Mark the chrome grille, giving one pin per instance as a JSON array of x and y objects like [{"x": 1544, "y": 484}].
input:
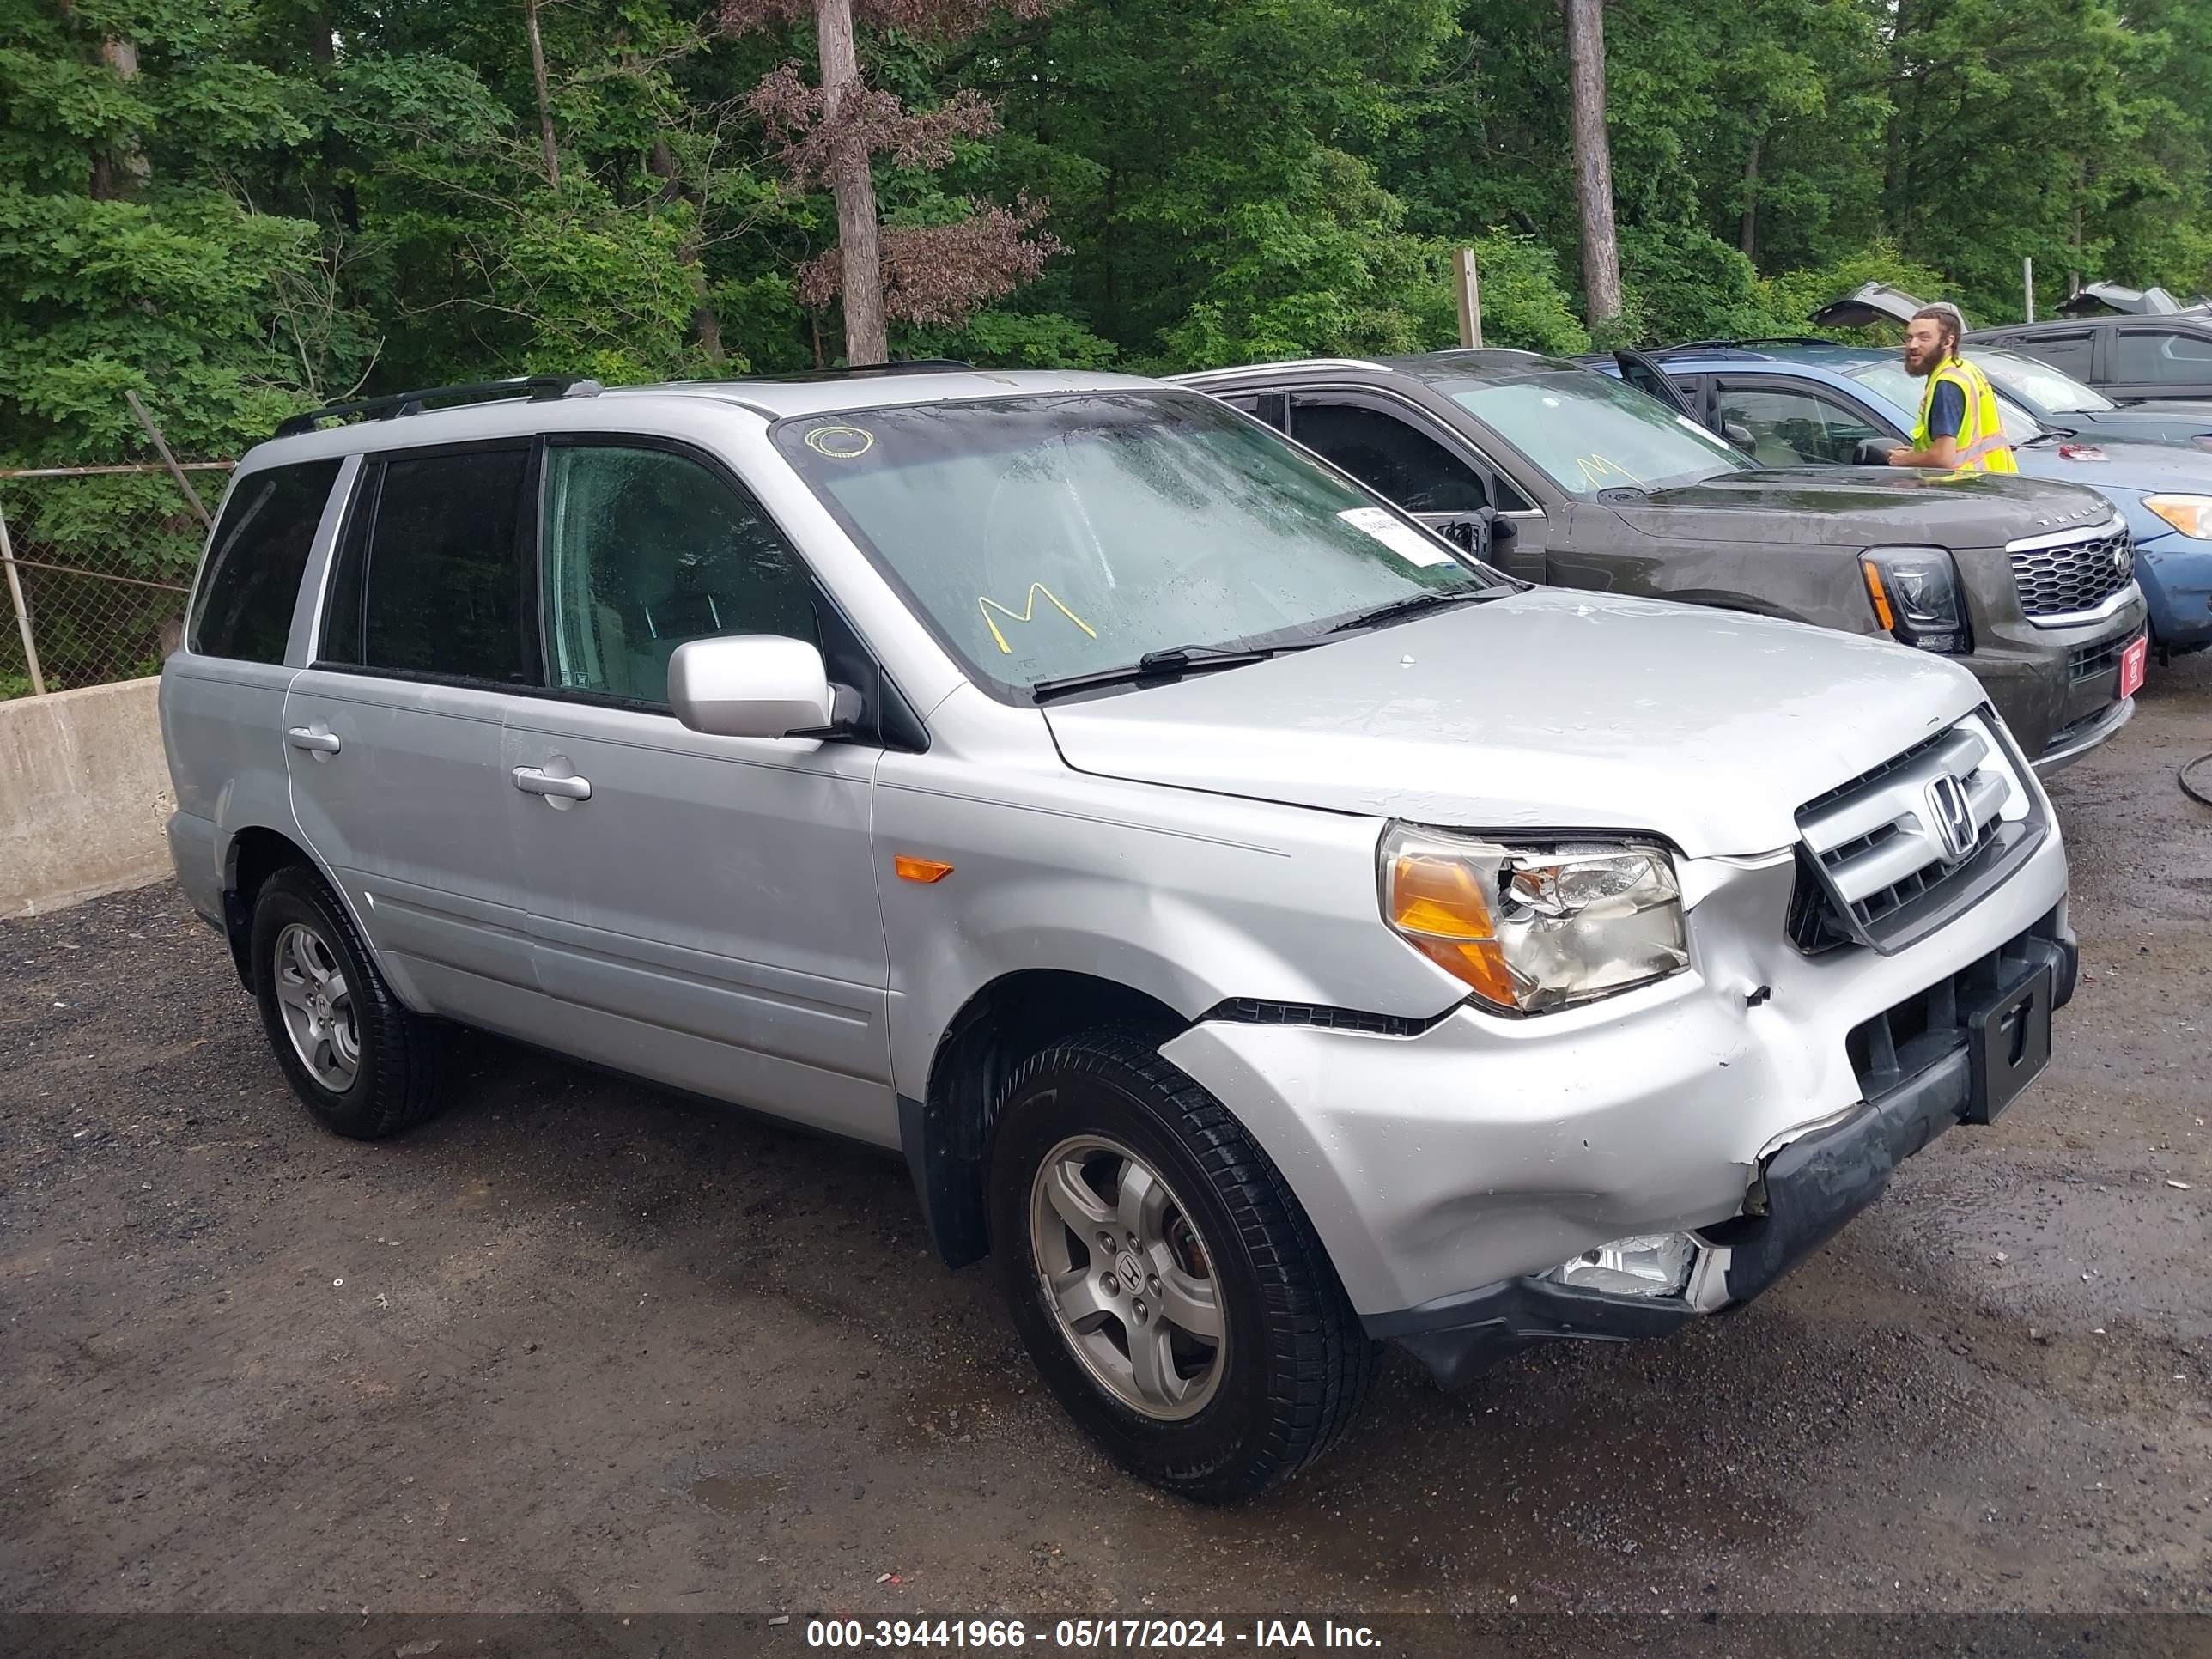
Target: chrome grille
[
  {"x": 1876, "y": 864},
  {"x": 2067, "y": 576}
]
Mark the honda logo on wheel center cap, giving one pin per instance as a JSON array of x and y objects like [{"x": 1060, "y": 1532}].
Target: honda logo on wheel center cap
[{"x": 1951, "y": 815}]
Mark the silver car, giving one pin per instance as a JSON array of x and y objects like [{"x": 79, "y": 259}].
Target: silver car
[{"x": 1265, "y": 930}]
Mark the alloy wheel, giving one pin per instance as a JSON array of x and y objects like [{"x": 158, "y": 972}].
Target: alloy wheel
[
  {"x": 1128, "y": 1278},
  {"x": 317, "y": 1004}
]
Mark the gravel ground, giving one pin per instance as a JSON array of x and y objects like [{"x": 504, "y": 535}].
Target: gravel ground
[{"x": 578, "y": 1347}]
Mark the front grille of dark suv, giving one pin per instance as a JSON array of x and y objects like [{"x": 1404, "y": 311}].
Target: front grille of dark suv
[
  {"x": 2075, "y": 576},
  {"x": 2089, "y": 662},
  {"x": 1871, "y": 864}
]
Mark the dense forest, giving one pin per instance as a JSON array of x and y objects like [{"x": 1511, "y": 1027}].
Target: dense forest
[{"x": 237, "y": 207}]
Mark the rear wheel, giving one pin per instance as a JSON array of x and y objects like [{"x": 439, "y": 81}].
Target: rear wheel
[
  {"x": 364, "y": 1064},
  {"x": 1163, "y": 1276}
]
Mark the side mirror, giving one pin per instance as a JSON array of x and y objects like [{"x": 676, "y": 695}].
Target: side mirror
[
  {"x": 1741, "y": 435},
  {"x": 1482, "y": 533},
  {"x": 751, "y": 685},
  {"x": 1875, "y": 452}
]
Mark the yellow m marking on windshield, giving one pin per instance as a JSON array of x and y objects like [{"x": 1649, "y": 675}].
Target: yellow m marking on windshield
[
  {"x": 1596, "y": 469},
  {"x": 1026, "y": 613}
]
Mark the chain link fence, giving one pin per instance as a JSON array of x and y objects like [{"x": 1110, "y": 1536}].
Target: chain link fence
[{"x": 97, "y": 561}]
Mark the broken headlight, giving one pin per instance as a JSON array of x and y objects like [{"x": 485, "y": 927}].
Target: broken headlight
[{"x": 1532, "y": 929}]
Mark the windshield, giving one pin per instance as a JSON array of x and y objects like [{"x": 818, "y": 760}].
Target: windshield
[
  {"x": 2038, "y": 383},
  {"x": 1589, "y": 432},
  {"x": 1889, "y": 379},
  {"x": 1049, "y": 536}
]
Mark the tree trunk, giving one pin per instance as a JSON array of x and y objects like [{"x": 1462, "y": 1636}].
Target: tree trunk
[
  {"x": 544, "y": 103},
  {"x": 1593, "y": 159},
  {"x": 858, "y": 243},
  {"x": 704, "y": 323},
  {"x": 118, "y": 172},
  {"x": 1896, "y": 166},
  {"x": 1747, "y": 233}
]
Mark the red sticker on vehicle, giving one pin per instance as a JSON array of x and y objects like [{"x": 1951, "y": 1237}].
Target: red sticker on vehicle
[{"x": 2131, "y": 667}]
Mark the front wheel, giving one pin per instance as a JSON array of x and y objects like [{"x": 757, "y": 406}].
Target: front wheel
[{"x": 1163, "y": 1276}]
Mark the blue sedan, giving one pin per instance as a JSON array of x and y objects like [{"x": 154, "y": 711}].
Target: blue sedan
[{"x": 1809, "y": 402}]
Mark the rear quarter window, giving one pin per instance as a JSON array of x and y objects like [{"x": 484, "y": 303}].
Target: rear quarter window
[{"x": 255, "y": 560}]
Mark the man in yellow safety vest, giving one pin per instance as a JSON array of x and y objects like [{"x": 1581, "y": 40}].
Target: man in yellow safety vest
[{"x": 1960, "y": 426}]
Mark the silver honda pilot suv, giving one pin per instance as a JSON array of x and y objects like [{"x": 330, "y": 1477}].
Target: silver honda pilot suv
[{"x": 1265, "y": 930}]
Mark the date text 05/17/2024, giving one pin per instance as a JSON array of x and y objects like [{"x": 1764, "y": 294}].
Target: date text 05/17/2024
[{"x": 1088, "y": 1635}]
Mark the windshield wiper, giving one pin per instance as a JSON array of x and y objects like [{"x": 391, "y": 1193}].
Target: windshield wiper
[
  {"x": 1170, "y": 663},
  {"x": 2052, "y": 434},
  {"x": 1414, "y": 604}
]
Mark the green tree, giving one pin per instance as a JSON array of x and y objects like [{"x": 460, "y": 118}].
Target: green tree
[{"x": 131, "y": 259}]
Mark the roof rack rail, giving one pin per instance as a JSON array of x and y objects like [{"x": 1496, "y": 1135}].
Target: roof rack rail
[
  {"x": 399, "y": 404},
  {"x": 1194, "y": 375},
  {"x": 858, "y": 371},
  {"x": 1752, "y": 340}
]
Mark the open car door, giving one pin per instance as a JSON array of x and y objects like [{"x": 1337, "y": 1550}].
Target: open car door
[{"x": 1647, "y": 377}]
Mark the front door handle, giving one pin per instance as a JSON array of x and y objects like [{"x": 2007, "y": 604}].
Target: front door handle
[
  {"x": 314, "y": 742},
  {"x": 531, "y": 781}
]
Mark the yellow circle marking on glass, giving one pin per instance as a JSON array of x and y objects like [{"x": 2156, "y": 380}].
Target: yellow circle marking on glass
[{"x": 840, "y": 443}]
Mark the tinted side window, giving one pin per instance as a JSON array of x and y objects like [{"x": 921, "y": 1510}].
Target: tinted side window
[
  {"x": 254, "y": 564},
  {"x": 2069, "y": 354},
  {"x": 645, "y": 550},
  {"x": 2161, "y": 358},
  {"x": 1390, "y": 456},
  {"x": 447, "y": 568},
  {"x": 341, "y": 639}
]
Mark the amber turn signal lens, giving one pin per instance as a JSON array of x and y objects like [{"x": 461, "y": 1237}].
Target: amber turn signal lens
[
  {"x": 925, "y": 870},
  {"x": 1438, "y": 905},
  {"x": 1882, "y": 613}
]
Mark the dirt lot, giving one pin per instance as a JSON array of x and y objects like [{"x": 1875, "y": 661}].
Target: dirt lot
[{"x": 578, "y": 1347}]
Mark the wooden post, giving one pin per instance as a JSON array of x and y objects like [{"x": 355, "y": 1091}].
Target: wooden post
[
  {"x": 1470, "y": 297},
  {"x": 167, "y": 459},
  {"x": 22, "y": 610},
  {"x": 2027, "y": 282}
]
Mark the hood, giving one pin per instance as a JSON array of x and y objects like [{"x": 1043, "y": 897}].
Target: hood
[
  {"x": 2175, "y": 420},
  {"x": 2098, "y": 297},
  {"x": 1860, "y": 507},
  {"x": 2193, "y": 409},
  {"x": 2139, "y": 468},
  {"x": 1548, "y": 711},
  {"x": 1866, "y": 305}
]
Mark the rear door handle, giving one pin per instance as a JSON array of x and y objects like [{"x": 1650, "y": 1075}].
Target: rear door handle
[
  {"x": 314, "y": 742},
  {"x": 533, "y": 781}
]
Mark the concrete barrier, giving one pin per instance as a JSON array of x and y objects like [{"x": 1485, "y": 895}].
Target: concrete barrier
[{"x": 84, "y": 791}]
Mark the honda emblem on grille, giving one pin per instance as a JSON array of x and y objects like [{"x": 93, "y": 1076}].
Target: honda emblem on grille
[{"x": 1951, "y": 817}]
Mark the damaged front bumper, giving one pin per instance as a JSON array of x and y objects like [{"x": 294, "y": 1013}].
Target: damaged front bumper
[
  {"x": 1756, "y": 1103},
  {"x": 1804, "y": 1194}
]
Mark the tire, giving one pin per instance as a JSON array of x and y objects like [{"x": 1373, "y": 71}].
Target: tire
[
  {"x": 300, "y": 931},
  {"x": 1214, "y": 1419}
]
